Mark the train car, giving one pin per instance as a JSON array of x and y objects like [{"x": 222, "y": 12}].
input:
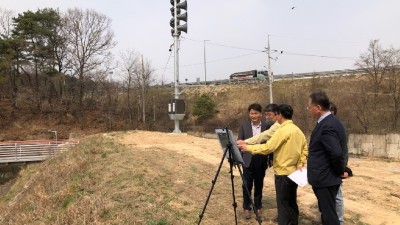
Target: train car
[{"x": 249, "y": 75}]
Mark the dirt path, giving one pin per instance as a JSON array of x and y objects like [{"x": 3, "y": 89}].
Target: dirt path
[{"x": 371, "y": 196}]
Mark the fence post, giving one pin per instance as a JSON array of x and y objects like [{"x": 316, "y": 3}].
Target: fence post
[{"x": 16, "y": 152}]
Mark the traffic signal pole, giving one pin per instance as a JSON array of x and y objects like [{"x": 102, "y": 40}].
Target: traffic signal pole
[
  {"x": 176, "y": 75},
  {"x": 175, "y": 114}
]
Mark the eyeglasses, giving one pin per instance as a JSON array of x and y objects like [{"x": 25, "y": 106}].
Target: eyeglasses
[
  {"x": 269, "y": 114},
  {"x": 309, "y": 106}
]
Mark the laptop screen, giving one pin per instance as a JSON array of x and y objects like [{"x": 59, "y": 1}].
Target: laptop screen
[{"x": 225, "y": 136}]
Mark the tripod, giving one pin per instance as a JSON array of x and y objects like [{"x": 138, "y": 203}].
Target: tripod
[{"x": 228, "y": 150}]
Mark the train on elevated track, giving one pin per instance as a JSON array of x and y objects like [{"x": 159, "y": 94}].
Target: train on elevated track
[
  {"x": 249, "y": 75},
  {"x": 256, "y": 76}
]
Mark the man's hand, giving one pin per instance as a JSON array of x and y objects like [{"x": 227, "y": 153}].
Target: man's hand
[
  {"x": 243, "y": 147},
  {"x": 345, "y": 175},
  {"x": 300, "y": 168},
  {"x": 240, "y": 142}
]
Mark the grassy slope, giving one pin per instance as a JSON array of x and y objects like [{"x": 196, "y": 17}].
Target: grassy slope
[{"x": 102, "y": 182}]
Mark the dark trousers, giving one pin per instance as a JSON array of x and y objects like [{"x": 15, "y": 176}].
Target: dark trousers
[
  {"x": 286, "y": 200},
  {"x": 327, "y": 204},
  {"x": 254, "y": 174}
]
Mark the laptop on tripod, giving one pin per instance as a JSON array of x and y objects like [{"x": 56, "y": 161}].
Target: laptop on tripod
[{"x": 225, "y": 136}]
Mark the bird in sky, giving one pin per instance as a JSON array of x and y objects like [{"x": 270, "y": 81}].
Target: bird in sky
[{"x": 293, "y": 7}]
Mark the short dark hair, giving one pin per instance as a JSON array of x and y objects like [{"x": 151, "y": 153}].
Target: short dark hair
[
  {"x": 320, "y": 98},
  {"x": 255, "y": 106},
  {"x": 333, "y": 108},
  {"x": 272, "y": 107},
  {"x": 286, "y": 111}
]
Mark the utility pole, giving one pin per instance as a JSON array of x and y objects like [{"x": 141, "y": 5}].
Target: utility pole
[
  {"x": 143, "y": 83},
  {"x": 154, "y": 110},
  {"x": 205, "y": 63},
  {"x": 270, "y": 75}
]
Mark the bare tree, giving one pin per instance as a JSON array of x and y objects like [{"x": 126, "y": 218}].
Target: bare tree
[
  {"x": 382, "y": 67},
  {"x": 103, "y": 76},
  {"x": 8, "y": 55},
  {"x": 375, "y": 63},
  {"x": 394, "y": 84},
  {"x": 128, "y": 67},
  {"x": 110, "y": 105},
  {"x": 6, "y": 24},
  {"x": 143, "y": 78},
  {"x": 138, "y": 75},
  {"x": 362, "y": 106},
  {"x": 89, "y": 41}
]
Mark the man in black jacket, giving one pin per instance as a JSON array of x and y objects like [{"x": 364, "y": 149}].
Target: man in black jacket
[
  {"x": 255, "y": 165},
  {"x": 326, "y": 159}
]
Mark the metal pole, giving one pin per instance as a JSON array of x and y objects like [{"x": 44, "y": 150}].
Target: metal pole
[
  {"x": 205, "y": 63},
  {"x": 56, "y": 136},
  {"x": 154, "y": 110},
  {"x": 270, "y": 76},
  {"x": 176, "y": 67},
  {"x": 143, "y": 100}
]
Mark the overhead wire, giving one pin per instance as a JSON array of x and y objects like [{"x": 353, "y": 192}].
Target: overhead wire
[
  {"x": 281, "y": 51},
  {"x": 256, "y": 51},
  {"x": 320, "y": 56},
  {"x": 217, "y": 60},
  {"x": 222, "y": 45},
  {"x": 315, "y": 39},
  {"x": 165, "y": 68}
]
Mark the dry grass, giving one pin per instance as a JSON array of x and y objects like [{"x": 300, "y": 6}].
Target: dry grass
[
  {"x": 155, "y": 178},
  {"x": 102, "y": 182}
]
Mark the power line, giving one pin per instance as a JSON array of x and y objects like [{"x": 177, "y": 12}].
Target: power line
[
  {"x": 223, "y": 59},
  {"x": 320, "y": 56},
  {"x": 213, "y": 61},
  {"x": 315, "y": 39},
  {"x": 163, "y": 73},
  {"x": 281, "y": 51},
  {"x": 254, "y": 51},
  {"x": 222, "y": 45}
]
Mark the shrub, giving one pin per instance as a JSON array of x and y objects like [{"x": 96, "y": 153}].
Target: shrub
[{"x": 204, "y": 106}]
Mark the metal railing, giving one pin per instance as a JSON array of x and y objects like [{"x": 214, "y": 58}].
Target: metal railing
[{"x": 29, "y": 151}]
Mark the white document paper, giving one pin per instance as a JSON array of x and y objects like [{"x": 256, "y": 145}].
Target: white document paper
[{"x": 299, "y": 177}]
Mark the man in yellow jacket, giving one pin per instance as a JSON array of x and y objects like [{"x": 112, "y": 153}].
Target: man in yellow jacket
[{"x": 289, "y": 146}]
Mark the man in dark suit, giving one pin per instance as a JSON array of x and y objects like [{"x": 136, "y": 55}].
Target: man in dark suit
[
  {"x": 255, "y": 166},
  {"x": 326, "y": 156}
]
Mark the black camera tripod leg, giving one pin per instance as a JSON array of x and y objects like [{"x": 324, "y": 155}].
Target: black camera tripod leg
[
  {"x": 231, "y": 163},
  {"x": 212, "y": 186}
]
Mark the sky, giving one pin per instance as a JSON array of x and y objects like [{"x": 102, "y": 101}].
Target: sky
[{"x": 304, "y": 35}]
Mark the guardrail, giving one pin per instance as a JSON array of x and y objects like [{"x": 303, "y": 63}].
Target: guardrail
[{"x": 30, "y": 151}]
